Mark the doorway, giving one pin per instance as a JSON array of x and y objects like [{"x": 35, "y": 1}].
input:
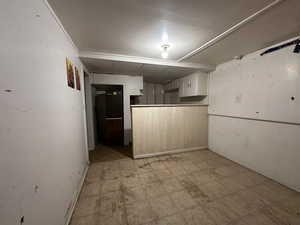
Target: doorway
[{"x": 109, "y": 115}]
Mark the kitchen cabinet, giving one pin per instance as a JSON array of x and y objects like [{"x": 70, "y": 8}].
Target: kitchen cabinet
[
  {"x": 152, "y": 94},
  {"x": 173, "y": 85},
  {"x": 193, "y": 85}
]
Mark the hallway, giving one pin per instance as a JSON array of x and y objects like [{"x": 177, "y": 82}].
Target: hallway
[{"x": 193, "y": 188}]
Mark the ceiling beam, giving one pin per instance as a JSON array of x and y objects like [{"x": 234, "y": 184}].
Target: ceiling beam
[
  {"x": 229, "y": 31},
  {"x": 151, "y": 61}
]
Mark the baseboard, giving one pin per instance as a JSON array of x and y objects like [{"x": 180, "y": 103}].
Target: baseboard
[
  {"x": 77, "y": 195},
  {"x": 169, "y": 152}
]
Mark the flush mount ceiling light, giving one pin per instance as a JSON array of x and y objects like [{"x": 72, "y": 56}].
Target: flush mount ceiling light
[
  {"x": 165, "y": 53},
  {"x": 297, "y": 47}
]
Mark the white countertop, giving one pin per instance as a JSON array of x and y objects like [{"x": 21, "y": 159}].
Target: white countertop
[{"x": 168, "y": 105}]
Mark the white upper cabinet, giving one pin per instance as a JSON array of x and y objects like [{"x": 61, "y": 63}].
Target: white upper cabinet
[
  {"x": 193, "y": 85},
  {"x": 173, "y": 85}
]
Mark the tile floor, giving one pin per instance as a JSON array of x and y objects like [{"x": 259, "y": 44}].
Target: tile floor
[{"x": 195, "y": 188}]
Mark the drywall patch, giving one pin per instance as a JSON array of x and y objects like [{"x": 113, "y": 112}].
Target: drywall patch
[{"x": 238, "y": 98}]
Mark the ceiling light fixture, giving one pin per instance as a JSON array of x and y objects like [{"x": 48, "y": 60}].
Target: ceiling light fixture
[
  {"x": 297, "y": 47},
  {"x": 165, "y": 53}
]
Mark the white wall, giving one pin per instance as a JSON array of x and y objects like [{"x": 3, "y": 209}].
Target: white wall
[
  {"x": 258, "y": 88},
  {"x": 131, "y": 86},
  {"x": 42, "y": 132}
]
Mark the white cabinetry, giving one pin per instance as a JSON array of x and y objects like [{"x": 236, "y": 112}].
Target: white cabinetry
[
  {"x": 193, "y": 85},
  {"x": 173, "y": 85},
  {"x": 152, "y": 94}
]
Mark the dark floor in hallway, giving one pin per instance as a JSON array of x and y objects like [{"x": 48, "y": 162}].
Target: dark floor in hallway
[
  {"x": 192, "y": 188},
  {"x": 110, "y": 153}
]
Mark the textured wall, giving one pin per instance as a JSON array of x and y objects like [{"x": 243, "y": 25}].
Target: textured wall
[
  {"x": 258, "y": 88},
  {"x": 42, "y": 130}
]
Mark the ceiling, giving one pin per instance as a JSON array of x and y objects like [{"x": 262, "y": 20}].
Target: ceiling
[
  {"x": 139, "y": 27},
  {"x": 151, "y": 73}
]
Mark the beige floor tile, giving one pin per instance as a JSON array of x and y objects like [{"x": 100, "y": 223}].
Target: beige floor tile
[
  {"x": 197, "y": 194},
  {"x": 113, "y": 165},
  {"x": 128, "y": 172},
  {"x": 139, "y": 213},
  {"x": 231, "y": 185},
  {"x": 86, "y": 220},
  {"x": 172, "y": 220},
  {"x": 279, "y": 215},
  {"x": 177, "y": 170},
  {"x": 226, "y": 171},
  {"x": 197, "y": 216},
  {"x": 183, "y": 200},
  {"x": 282, "y": 191},
  {"x": 95, "y": 172},
  {"x": 248, "y": 179},
  {"x": 115, "y": 196},
  {"x": 160, "y": 190},
  {"x": 117, "y": 220},
  {"x": 207, "y": 155},
  {"x": 253, "y": 200},
  {"x": 155, "y": 189},
  {"x": 111, "y": 208},
  {"x": 131, "y": 195},
  {"x": 236, "y": 204},
  {"x": 139, "y": 162},
  {"x": 111, "y": 174},
  {"x": 291, "y": 205},
  {"x": 148, "y": 223},
  {"x": 215, "y": 163},
  {"x": 148, "y": 178},
  {"x": 269, "y": 193},
  {"x": 203, "y": 165},
  {"x": 110, "y": 185},
  {"x": 144, "y": 167},
  {"x": 190, "y": 167},
  {"x": 127, "y": 165},
  {"x": 172, "y": 185},
  {"x": 158, "y": 165},
  {"x": 219, "y": 213},
  {"x": 86, "y": 206},
  {"x": 90, "y": 189},
  {"x": 255, "y": 177},
  {"x": 259, "y": 219},
  {"x": 214, "y": 190},
  {"x": 130, "y": 181},
  {"x": 163, "y": 174},
  {"x": 163, "y": 206},
  {"x": 204, "y": 176}
]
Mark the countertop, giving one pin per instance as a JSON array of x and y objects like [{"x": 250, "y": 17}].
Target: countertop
[{"x": 167, "y": 105}]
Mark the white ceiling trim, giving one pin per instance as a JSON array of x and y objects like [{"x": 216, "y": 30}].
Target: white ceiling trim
[
  {"x": 229, "y": 31},
  {"x": 151, "y": 61}
]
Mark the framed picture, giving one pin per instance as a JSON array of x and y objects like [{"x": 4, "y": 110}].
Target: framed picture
[
  {"x": 77, "y": 75},
  {"x": 70, "y": 73}
]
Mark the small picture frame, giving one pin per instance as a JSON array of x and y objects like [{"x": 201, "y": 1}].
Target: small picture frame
[{"x": 70, "y": 73}]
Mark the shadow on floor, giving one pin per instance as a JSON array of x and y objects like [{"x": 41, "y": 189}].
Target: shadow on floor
[{"x": 104, "y": 153}]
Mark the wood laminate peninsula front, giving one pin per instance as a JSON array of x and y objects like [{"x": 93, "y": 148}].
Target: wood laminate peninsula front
[{"x": 165, "y": 129}]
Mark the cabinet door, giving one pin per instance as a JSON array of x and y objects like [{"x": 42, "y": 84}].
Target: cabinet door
[
  {"x": 159, "y": 95},
  {"x": 182, "y": 87},
  {"x": 150, "y": 94},
  {"x": 193, "y": 85}
]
